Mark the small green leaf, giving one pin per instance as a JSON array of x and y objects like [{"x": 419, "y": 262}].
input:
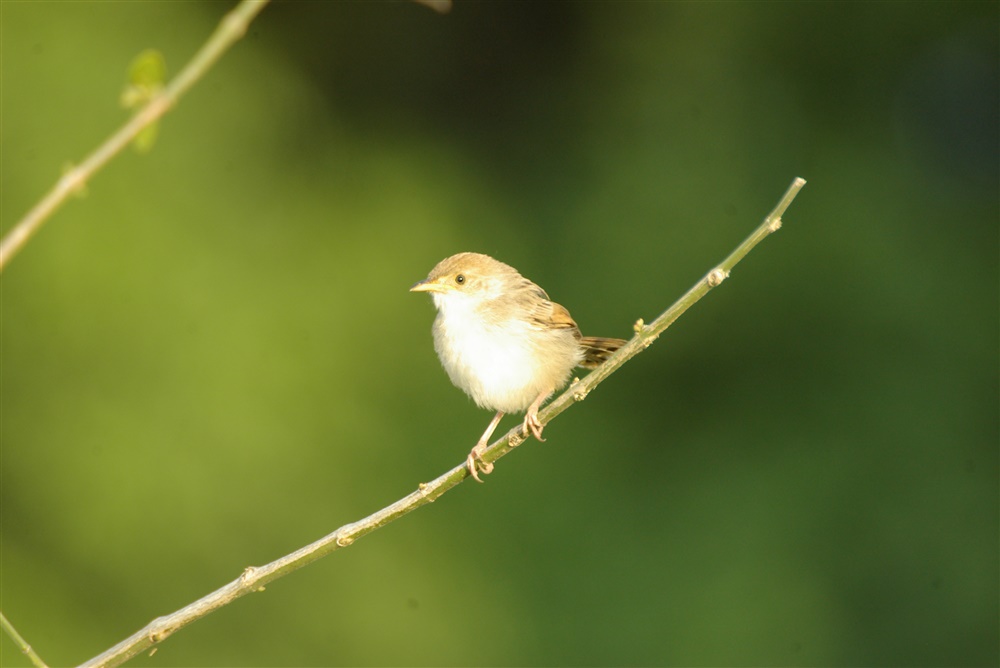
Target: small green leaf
[
  {"x": 147, "y": 75},
  {"x": 143, "y": 142},
  {"x": 148, "y": 69}
]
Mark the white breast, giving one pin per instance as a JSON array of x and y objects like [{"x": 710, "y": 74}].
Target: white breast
[{"x": 502, "y": 366}]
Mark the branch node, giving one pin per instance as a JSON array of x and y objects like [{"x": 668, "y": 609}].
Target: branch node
[
  {"x": 639, "y": 325},
  {"x": 247, "y": 575},
  {"x": 73, "y": 180},
  {"x": 716, "y": 276},
  {"x": 775, "y": 225},
  {"x": 424, "y": 488},
  {"x": 344, "y": 541},
  {"x": 21, "y": 642}
]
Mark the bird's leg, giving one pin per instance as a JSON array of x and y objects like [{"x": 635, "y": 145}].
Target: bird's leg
[
  {"x": 531, "y": 417},
  {"x": 475, "y": 459}
]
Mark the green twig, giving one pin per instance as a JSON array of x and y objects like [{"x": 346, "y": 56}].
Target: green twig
[
  {"x": 254, "y": 579},
  {"x": 232, "y": 27},
  {"x": 21, "y": 642}
]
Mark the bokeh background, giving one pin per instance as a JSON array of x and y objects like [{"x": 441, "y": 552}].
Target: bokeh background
[{"x": 211, "y": 359}]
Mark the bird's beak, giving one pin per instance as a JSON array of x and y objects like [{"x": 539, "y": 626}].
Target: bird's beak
[{"x": 427, "y": 286}]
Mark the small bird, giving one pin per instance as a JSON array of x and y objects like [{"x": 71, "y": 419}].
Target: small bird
[{"x": 503, "y": 341}]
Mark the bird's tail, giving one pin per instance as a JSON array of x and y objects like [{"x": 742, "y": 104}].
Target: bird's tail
[{"x": 597, "y": 349}]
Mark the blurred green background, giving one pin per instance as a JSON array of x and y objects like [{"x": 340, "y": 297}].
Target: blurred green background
[{"x": 212, "y": 359}]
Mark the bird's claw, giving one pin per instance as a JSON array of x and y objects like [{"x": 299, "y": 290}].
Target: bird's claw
[
  {"x": 533, "y": 425},
  {"x": 474, "y": 462}
]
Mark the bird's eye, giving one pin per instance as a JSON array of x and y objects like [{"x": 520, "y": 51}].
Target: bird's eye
[{"x": 460, "y": 279}]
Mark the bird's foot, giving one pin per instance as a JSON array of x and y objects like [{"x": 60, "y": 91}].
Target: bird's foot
[
  {"x": 474, "y": 462},
  {"x": 533, "y": 425}
]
